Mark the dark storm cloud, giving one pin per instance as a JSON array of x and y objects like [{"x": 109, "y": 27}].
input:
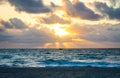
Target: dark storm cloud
[
  {"x": 30, "y": 6},
  {"x": 84, "y": 12},
  {"x": 112, "y": 13}
]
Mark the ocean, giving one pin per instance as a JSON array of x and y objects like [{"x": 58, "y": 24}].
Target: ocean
[{"x": 60, "y": 58}]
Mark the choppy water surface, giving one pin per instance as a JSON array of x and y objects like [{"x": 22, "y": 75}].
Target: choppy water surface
[{"x": 59, "y": 58}]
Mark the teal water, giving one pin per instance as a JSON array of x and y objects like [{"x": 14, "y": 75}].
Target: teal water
[{"x": 59, "y": 57}]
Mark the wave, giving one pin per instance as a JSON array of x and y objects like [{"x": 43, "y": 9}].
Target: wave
[
  {"x": 60, "y": 58},
  {"x": 74, "y": 63},
  {"x": 61, "y": 63}
]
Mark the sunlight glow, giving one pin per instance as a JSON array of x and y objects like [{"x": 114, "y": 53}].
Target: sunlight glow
[
  {"x": 59, "y": 30},
  {"x": 60, "y": 13}
]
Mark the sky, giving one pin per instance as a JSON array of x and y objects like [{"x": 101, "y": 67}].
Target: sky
[{"x": 59, "y": 23}]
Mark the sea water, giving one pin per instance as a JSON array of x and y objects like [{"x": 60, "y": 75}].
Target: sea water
[{"x": 59, "y": 57}]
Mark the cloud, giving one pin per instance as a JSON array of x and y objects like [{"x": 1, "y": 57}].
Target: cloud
[
  {"x": 98, "y": 33},
  {"x": 6, "y": 24},
  {"x": 21, "y": 34},
  {"x": 53, "y": 19},
  {"x": 112, "y": 13},
  {"x": 4, "y": 36},
  {"x": 69, "y": 8},
  {"x": 84, "y": 12},
  {"x": 30, "y": 6},
  {"x": 115, "y": 3},
  {"x": 18, "y": 23},
  {"x": 102, "y": 33},
  {"x": 2, "y": 30},
  {"x": 31, "y": 37},
  {"x": 34, "y": 36},
  {"x": 2, "y": 1},
  {"x": 78, "y": 9},
  {"x": 14, "y": 23}
]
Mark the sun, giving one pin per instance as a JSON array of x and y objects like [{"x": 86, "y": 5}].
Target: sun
[{"x": 59, "y": 30}]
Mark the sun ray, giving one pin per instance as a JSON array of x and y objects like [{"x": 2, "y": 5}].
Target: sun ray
[
  {"x": 69, "y": 44},
  {"x": 57, "y": 44},
  {"x": 47, "y": 45}
]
